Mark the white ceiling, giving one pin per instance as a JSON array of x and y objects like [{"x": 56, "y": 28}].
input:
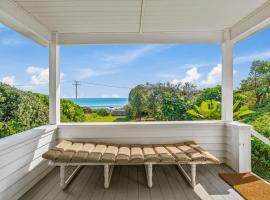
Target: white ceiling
[{"x": 133, "y": 16}]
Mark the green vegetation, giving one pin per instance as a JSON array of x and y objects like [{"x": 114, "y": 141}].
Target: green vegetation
[
  {"x": 184, "y": 102},
  {"x": 94, "y": 117},
  {"x": 22, "y": 110}
]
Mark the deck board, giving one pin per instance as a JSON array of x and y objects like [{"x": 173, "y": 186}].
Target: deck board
[{"x": 129, "y": 182}]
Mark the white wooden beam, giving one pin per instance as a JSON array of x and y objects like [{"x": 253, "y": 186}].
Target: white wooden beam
[
  {"x": 54, "y": 80},
  {"x": 142, "y": 16},
  {"x": 256, "y": 21},
  {"x": 227, "y": 78},
  {"x": 21, "y": 21},
  {"x": 139, "y": 38}
]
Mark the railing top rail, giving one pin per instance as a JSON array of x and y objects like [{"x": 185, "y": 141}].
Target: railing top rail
[{"x": 260, "y": 137}]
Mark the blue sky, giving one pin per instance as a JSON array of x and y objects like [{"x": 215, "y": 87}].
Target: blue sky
[{"x": 24, "y": 64}]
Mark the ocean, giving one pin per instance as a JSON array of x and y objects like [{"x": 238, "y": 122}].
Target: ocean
[{"x": 96, "y": 103}]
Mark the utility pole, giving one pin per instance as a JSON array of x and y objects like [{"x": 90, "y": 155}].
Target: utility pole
[{"x": 76, "y": 84}]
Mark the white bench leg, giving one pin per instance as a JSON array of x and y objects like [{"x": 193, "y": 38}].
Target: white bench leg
[
  {"x": 62, "y": 177},
  {"x": 64, "y": 182},
  {"x": 191, "y": 179},
  {"x": 193, "y": 175},
  {"x": 149, "y": 174},
  {"x": 108, "y": 170}
]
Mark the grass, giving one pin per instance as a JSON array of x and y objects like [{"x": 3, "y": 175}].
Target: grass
[{"x": 93, "y": 117}]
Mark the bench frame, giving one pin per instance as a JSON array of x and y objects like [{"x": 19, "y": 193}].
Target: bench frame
[{"x": 108, "y": 171}]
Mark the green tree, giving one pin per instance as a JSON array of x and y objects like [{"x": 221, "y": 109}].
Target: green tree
[
  {"x": 258, "y": 81},
  {"x": 138, "y": 102},
  {"x": 157, "y": 90},
  {"x": 213, "y": 93},
  {"x": 173, "y": 107}
]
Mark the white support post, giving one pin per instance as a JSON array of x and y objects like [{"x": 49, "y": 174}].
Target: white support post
[
  {"x": 240, "y": 144},
  {"x": 227, "y": 78},
  {"x": 54, "y": 80}
]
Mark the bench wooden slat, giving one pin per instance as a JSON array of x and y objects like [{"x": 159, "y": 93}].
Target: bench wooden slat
[
  {"x": 177, "y": 153},
  {"x": 205, "y": 153},
  {"x": 149, "y": 154},
  {"x": 97, "y": 153},
  {"x": 190, "y": 152},
  {"x": 83, "y": 152},
  {"x": 136, "y": 154},
  {"x": 123, "y": 155},
  {"x": 110, "y": 154},
  {"x": 164, "y": 154}
]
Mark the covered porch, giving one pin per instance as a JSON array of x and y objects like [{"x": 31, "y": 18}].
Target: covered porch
[
  {"x": 26, "y": 175},
  {"x": 129, "y": 182}
]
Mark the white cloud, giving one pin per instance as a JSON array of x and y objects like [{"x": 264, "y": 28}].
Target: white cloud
[
  {"x": 214, "y": 76},
  {"x": 264, "y": 55},
  {"x": 33, "y": 70},
  {"x": 10, "y": 80},
  {"x": 110, "y": 96},
  {"x": 39, "y": 76},
  {"x": 191, "y": 76}
]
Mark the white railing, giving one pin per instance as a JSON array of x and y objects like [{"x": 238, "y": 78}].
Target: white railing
[
  {"x": 21, "y": 164},
  {"x": 260, "y": 137}
]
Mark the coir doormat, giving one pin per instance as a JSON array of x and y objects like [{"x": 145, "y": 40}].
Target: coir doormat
[{"x": 247, "y": 185}]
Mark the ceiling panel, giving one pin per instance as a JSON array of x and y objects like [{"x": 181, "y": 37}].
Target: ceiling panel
[
  {"x": 75, "y": 16},
  {"x": 117, "y": 16}
]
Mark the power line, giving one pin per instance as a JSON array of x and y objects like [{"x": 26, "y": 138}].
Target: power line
[
  {"x": 105, "y": 85},
  {"x": 76, "y": 84}
]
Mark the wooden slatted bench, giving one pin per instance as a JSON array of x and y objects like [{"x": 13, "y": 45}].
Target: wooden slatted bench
[{"x": 77, "y": 154}]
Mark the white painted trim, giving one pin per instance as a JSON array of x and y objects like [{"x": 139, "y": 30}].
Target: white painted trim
[
  {"x": 54, "y": 80},
  {"x": 21, "y": 21},
  {"x": 17, "y": 139},
  {"x": 260, "y": 137},
  {"x": 256, "y": 21},
  {"x": 142, "y": 16},
  {"x": 227, "y": 78},
  {"x": 141, "y": 38},
  {"x": 184, "y": 123}
]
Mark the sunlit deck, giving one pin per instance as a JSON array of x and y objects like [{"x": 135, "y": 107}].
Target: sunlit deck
[{"x": 129, "y": 182}]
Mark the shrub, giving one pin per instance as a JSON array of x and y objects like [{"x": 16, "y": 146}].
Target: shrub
[
  {"x": 20, "y": 110},
  {"x": 103, "y": 112},
  {"x": 71, "y": 112}
]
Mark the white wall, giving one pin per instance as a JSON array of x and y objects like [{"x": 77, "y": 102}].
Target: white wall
[
  {"x": 21, "y": 164},
  {"x": 210, "y": 135}
]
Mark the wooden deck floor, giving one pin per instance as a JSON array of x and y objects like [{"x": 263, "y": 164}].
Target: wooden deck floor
[{"x": 129, "y": 182}]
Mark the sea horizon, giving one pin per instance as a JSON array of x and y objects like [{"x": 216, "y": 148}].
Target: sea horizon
[{"x": 99, "y": 103}]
